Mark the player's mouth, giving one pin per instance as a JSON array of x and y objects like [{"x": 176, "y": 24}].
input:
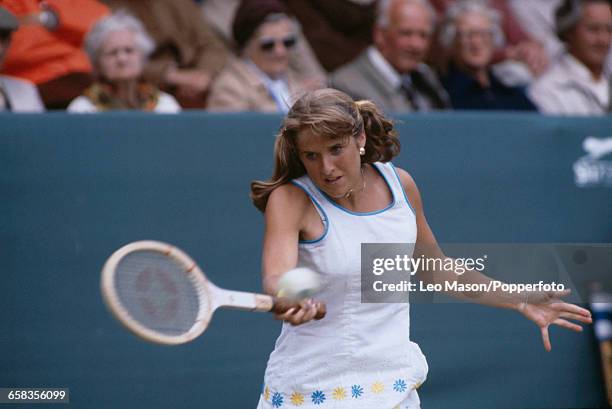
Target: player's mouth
[{"x": 332, "y": 181}]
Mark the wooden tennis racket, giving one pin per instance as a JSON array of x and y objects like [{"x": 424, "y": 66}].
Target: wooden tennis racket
[{"x": 160, "y": 294}]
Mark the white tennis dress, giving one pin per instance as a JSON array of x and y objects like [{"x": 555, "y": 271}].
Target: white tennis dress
[{"x": 360, "y": 355}]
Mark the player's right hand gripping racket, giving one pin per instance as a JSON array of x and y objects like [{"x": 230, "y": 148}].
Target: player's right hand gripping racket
[{"x": 160, "y": 294}]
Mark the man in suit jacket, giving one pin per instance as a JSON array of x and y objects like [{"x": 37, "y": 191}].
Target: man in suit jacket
[
  {"x": 391, "y": 72},
  {"x": 15, "y": 94}
]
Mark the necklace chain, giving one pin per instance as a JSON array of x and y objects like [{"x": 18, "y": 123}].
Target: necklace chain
[{"x": 352, "y": 190}]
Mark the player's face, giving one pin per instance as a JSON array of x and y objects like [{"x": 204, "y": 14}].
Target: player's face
[
  {"x": 474, "y": 42},
  {"x": 120, "y": 59},
  {"x": 405, "y": 40},
  {"x": 590, "y": 40},
  {"x": 334, "y": 165},
  {"x": 270, "y": 46}
]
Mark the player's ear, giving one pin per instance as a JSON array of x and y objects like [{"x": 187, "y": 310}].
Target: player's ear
[{"x": 361, "y": 140}]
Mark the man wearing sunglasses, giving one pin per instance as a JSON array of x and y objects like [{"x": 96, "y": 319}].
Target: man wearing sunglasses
[
  {"x": 392, "y": 72},
  {"x": 260, "y": 79}
]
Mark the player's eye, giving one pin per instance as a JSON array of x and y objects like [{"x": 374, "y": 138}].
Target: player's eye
[{"x": 309, "y": 155}]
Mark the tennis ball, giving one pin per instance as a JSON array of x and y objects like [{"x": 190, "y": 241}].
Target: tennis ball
[{"x": 298, "y": 283}]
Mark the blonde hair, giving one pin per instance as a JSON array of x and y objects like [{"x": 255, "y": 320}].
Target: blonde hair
[
  {"x": 120, "y": 20},
  {"x": 332, "y": 114}
]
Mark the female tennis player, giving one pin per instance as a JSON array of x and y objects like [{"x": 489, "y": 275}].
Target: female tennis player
[{"x": 334, "y": 188}]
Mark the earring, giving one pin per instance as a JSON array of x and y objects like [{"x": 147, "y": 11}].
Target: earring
[{"x": 362, "y": 151}]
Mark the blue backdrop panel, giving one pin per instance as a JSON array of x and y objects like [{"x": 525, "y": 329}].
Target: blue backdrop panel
[{"x": 75, "y": 188}]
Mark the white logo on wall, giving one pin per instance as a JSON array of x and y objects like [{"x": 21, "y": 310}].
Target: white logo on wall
[{"x": 594, "y": 168}]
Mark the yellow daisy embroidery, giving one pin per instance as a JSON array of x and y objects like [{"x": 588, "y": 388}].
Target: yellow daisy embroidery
[
  {"x": 417, "y": 385},
  {"x": 378, "y": 387},
  {"x": 339, "y": 393},
  {"x": 267, "y": 394},
  {"x": 297, "y": 399}
]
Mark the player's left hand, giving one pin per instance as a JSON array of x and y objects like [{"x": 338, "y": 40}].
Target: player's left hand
[{"x": 546, "y": 308}]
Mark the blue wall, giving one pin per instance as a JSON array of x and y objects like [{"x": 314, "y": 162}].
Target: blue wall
[{"x": 75, "y": 188}]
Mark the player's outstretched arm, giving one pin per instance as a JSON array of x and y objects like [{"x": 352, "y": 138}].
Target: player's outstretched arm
[{"x": 543, "y": 308}]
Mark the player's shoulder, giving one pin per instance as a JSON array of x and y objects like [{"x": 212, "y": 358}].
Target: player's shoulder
[
  {"x": 406, "y": 179},
  {"x": 288, "y": 197},
  {"x": 410, "y": 188}
]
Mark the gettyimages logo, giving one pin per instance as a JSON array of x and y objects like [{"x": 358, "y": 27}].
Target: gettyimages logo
[
  {"x": 594, "y": 168},
  {"x": 401, "y": 272}
]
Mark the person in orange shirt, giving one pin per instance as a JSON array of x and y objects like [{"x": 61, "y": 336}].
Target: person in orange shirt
[{"x": 47, "y": 48}]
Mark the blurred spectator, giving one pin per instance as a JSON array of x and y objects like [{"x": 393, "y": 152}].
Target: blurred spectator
[
  {"x": 538, "y": 18},
  {"x": 392, "y": 72},
  {"x": 337, "y": 30},
  {"x": 220, "y": 14},
  {"x": 187, "y": 55},
  {"x": 524, "y": 58},
  {"x": 601, "y": 306},
  {"x": 577, "y": 83},
  {"x": 259, "y": 80},
  {"x": 47, "y": 47},
  {"x": 470, "y": 34},
  {"x": 118, "y": 47},
  {"x": 609, "y": 92},
  {"x": 302, "y": 60},
  {"x": 15, "y": 95}
]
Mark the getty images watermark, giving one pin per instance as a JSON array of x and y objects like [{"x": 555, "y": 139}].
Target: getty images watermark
[{"x": 389, "y": 271}]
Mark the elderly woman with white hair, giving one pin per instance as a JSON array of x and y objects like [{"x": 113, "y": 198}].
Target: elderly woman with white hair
[
  {"x": 470, "y": 35},
  {"x": 118, "y": 47}
]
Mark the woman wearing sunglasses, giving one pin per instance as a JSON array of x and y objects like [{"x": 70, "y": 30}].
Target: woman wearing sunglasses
[{"x": 259, "y": 80}]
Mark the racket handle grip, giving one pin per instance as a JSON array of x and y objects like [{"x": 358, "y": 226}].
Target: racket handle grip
[{"x": 282, "y": 305}]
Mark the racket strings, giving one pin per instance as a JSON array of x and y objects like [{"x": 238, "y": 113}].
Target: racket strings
[{"x": 158, "y": 293}]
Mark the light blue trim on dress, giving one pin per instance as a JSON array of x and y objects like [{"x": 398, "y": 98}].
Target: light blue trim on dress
[
  {"x": 322, "y": 214},
  {"x": 402, "y": 187},
  {"x": 344, "y": 209}
]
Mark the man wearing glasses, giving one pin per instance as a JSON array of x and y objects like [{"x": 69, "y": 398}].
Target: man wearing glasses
[{"x": 392, "y": 72}]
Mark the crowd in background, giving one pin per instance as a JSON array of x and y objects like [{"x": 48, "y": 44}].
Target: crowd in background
[{"x": 551, "y": 56}]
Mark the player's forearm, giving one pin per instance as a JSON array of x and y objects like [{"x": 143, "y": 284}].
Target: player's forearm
[
  {"x": 270, "y": 283},
  {"x": 494, "y": 297},
  {"x": 471, "y": 285}
]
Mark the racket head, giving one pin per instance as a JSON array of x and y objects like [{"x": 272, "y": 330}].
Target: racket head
[{"x": 157, "y": 292}]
